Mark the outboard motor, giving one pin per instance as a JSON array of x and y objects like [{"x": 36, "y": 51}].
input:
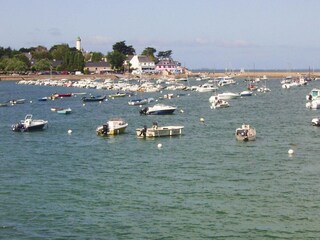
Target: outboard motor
[
  {"x": 19, "y": 127},
  {"x": 144, "y": 111},
  {"x": 143, "y": 131},
  {"x": 105, "y": 128}
]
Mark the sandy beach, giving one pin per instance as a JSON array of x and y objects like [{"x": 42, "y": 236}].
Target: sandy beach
[{"x": 268, "y": 74}]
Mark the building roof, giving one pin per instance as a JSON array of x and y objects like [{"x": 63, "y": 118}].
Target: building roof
[{"x": 97, "y": 64}]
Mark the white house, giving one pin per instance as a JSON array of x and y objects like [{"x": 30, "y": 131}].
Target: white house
[{"x": 142, "y": 64}]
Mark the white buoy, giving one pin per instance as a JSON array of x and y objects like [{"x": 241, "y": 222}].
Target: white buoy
[
  {"x": 69, "y": 131},
  {"x": 31, "y": 101},
  {"x": 202, "y": 120},
  {"x": 159, "y": 145},
  {"x": 83, "y": 104},
  {"x": 182, "y": 111},
  {"x": 290, "y": 151}
]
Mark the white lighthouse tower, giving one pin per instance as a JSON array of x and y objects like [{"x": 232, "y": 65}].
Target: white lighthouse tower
[{"x": 78, "y": 44}]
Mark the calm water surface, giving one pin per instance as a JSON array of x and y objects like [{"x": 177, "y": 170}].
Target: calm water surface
[{"x": 202, "y": 185}]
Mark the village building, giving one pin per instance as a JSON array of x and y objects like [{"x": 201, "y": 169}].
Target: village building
[
  {"x": 168, "y": 65},
  {"x": 142, "y": 64},
  {"x": 98, "y": 67}
]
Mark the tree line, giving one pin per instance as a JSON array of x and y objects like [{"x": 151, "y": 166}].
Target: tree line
[{"x": 62, "y": 58}]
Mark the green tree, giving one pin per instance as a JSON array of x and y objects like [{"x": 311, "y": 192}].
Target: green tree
[
  {"x": 41, "y": 65},
  {"x": 165, "y": 54},
  {"x": 41, "y": 52},
  {"x": 14, "y": 64},
  {"x": 121, "y": 47},
  {"x": 24, "y": 59},
  {"x": 58, "y": 51},
  {"x": 149, "y": 51},
  {"x": 96, "y": 56},
  {"x": 116, "y": 59}
]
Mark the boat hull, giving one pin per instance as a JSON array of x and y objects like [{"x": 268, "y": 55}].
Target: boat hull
[
  {"x": 159, "y": 131},
  {"x": 245, "y": 133},
  {"x": 112, "y": 127}
]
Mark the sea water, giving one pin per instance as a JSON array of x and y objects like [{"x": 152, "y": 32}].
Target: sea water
[{"x": 203, "y": 184}]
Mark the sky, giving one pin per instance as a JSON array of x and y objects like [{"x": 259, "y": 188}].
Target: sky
[{"x": 202, "y": 34}]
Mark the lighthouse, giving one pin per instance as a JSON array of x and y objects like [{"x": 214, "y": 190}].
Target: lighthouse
[{"x": 78, "y": 44}]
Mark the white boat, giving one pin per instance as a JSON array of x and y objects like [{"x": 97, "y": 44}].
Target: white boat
[
  {"x": 228, "y": 95},
  {"x": 219, "y": 103},
  {"x": 64, "y": 111},
  {"x": 29, "y": 124},
  {"x": 156, "y": 131},
  {"x": 224, "y": 81},
  {"x": 114, "y": 126},
  {"x": 158, "y": 109},
  {"x": 316, "y": 121},
  {"x": 314, "y": 94},
  {"x": 246, "y": 93},
  {"x": 207, "y": 87},
  {"x": 314, "y": 104},
  {"x": 245, "y": 133},
  {"x": 137, "y": 102}
]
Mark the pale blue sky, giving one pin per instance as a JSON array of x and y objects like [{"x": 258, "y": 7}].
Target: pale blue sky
[{"x": 265, "y": 34}]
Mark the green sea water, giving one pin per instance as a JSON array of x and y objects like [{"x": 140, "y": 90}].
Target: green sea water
[{"x": 201, "y": 185}]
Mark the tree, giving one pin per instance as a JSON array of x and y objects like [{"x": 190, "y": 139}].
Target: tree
[
  {"x": 58, "y": 51},
  {"x": 96, "y": 56},
  {"x": 149, "y": 51},
  {"x": 41, "y": 52},
  {"x": 116, "y": 59},
  {"x": 165, "y": 54},
  {"x": 23, "y": 58},
  {"x": 43, "y": 64},
  {"x": 14, "y": 64},
  {"x": 121, "y": 47}
]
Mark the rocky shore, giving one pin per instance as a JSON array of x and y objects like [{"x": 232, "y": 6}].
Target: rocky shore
[{"x": 268, "y": 74}]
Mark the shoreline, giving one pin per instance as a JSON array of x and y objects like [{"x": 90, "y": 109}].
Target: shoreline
[{"x": 268, "y": 74}]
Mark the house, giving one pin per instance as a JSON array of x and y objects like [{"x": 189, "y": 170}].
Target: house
[
  {"x": 98, "y": 67},
  {"x": 142, "y": 64},
  {"x": 168, "y": 65}
]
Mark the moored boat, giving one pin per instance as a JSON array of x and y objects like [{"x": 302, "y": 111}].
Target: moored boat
[
  {"x": 113, "y": 126},
  {"x": 64, "y": 111},
  {"x": 245, "y": 133},
  {"x": 29, "y": 124},
  {"x": 158, "y": 109},
  {"x": 94, "y": 98},
  {"x": 314, "y": 94},
  {"x": 316, "y": 121},
  {"x": 156, "y": 131},
  {"x": 228, "y": 95}
]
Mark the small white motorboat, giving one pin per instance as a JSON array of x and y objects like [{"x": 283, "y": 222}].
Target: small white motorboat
[
  {"x": 246, "y": 93},
  {"x": 114, "y": 126},
  {"x": 245, "y": 133},
  {"x": 314, "y": 104},
  {"x": 29, "y": 124},
  {"x": 316, "y": 121},
  {"x": 156, "y": 131},
  {"x": 314, "y": 94},
  {"x": 158, "y": 109},
  {"x": 218, "y": 103},
  {"x": 228, "y": 95}
]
